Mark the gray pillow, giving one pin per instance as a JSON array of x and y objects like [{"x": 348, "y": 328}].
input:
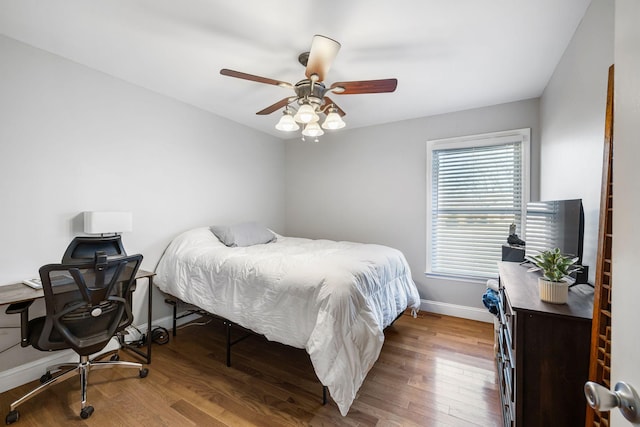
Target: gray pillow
[{"x": 245, "y": 234}]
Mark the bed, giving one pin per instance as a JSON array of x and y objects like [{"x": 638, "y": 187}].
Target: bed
[{"x": 332, "y": 299}]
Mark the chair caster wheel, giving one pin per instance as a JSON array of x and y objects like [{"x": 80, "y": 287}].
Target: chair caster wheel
[
  {"x": 115, "y": 357},
  {"x": 86, "y": 412},
  {"x": 46, "y": 377},
  {"x": 12, "y": 417},
  {"x": 144, "y": 372}
]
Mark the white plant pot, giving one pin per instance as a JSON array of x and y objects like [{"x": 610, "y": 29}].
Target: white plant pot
[{"x": 553, "y": 292}]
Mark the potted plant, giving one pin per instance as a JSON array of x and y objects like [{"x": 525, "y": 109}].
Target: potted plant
[{"x": 556, "y": 268}]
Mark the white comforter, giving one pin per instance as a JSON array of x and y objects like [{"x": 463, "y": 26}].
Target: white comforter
[{"x": 331, "y": 298}]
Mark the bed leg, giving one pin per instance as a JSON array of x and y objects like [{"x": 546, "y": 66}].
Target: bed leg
[
  {"x": 174, "y": 303},
  {"x": 228, "y": 324},
  {"x": 175, "y": 318},
  {"x": 324, "y": 395}
]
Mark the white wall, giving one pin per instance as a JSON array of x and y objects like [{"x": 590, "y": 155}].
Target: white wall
[
  {"x": 369, "y": 185},
  {"x": 73, "y": 139},
  {"x": 572, "y": 110}
]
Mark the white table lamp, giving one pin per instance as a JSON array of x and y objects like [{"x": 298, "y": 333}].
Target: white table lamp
[{"x": 102, "y": 222}]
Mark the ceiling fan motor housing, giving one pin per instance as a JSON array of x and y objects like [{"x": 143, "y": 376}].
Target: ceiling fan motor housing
[{"x": 312, "y": 93}]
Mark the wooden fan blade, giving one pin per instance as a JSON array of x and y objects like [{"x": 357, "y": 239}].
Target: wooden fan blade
[
  {"x": 365, "y": 86},
  {"x": 329, "y": 101},
  {"x": 274, "y": 107},
  {"x": 245, "y": 76},
  {"x": 323, "y": 52}
]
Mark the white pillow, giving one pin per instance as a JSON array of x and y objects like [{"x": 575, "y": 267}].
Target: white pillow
[{"x": 244, "y": 234}]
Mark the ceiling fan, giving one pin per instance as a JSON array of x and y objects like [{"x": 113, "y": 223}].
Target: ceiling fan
[{"x": 311, "y": 93}]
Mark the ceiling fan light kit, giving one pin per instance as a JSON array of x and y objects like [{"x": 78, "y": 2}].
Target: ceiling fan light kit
[
  {"x": 312, "y": 130},
  {"x": 306, "y": 114},
  {"x": 333, "y": 120},
  {"x": 310, "y": 92},
  {"x": 287, "y": 123}
]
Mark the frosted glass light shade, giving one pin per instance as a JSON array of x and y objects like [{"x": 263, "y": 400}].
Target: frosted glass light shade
[
  {"x": 333, "y": 121},
  {"x": 312, "y": 129},
  {"x": 306, "y": 114},
  {"x": 287, "y": 124},
  {"x": 107, "y": 222}
]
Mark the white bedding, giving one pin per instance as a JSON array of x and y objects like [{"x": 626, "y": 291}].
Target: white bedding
[{"x": 331, "y": 298}]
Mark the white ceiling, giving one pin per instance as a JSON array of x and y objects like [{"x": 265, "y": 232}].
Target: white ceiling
[{"x": 447, "y": 55}]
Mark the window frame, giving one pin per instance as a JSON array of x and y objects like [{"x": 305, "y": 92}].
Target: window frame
[{"x": 523, "y": 136}]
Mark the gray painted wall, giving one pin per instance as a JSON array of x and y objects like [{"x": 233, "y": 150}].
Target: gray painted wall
[
  {"x": 73, "y": 139},
  {"x": 369, "y": 185},
  {"x": 572, "y": 121}
]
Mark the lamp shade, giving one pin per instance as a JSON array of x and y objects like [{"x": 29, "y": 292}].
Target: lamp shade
[
  {"x": 107, "y": 222},
  {"x": 306, "y": 114},
  {"x": 333, "y": 121},
  {"x": 286, "y": 123},
  {"x": 312, "y": 129}
]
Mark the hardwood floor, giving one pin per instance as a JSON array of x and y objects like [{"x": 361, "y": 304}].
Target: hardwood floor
[{"x": 433, "y": 371}]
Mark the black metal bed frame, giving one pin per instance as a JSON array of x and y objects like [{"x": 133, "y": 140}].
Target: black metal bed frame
[
  {"x": 228, "y": 325},
  {"x": 173, "y": 301}
]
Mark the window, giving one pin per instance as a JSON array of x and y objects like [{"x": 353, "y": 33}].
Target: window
[{"x": 477, "y": 186}]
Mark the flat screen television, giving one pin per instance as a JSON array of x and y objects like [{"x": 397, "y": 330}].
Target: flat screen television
[{"x": 555, "y": 224}]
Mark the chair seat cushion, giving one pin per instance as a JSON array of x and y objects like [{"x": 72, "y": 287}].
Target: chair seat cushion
[{"x": 55, "y": 340}]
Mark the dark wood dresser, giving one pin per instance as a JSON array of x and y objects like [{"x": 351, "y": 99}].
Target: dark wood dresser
[{"x": 543, "y": 352}]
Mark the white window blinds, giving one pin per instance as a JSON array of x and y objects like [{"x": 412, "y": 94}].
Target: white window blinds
[{"x": 477, "y": 190}]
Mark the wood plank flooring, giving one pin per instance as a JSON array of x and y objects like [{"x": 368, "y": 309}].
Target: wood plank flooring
[{"x": 433, "y": 371}]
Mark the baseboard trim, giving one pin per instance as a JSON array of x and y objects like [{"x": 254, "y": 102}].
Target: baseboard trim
[
  {"x": 167, "y": 322},
  {"x": 462, "y": 311},
  {"x": 28, "y": 372}
]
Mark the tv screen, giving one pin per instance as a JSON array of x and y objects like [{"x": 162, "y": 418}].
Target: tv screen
[{"x": 555, "y": 224}]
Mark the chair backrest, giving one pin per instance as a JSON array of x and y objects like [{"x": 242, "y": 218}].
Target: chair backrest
[{"x": 86, "y": 303}]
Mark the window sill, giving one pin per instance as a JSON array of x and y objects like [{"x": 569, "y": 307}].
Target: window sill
[{"x": 459, "y": 278}]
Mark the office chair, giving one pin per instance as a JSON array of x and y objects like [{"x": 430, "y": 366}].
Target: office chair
[
  {"x": 86, "y": 304},
  {"x": 83, "y": 249}
]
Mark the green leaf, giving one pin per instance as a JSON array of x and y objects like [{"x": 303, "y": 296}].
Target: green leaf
[{"x": 554, "y": 265}]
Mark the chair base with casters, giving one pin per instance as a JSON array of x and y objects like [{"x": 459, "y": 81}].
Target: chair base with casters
[
  {"x": 87, "y": 304},
  {"x": 67, "y": 371}
]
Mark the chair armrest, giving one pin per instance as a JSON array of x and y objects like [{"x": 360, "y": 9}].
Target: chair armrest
[
  {"x": 18, "y": 307},
  {"x": 23, "y": 309}
]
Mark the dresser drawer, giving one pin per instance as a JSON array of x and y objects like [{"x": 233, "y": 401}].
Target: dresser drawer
[
  {"x": 506, "y": 359},
  {"x": 508, "y": 363},
  {"x": 505, "y": 379}
]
